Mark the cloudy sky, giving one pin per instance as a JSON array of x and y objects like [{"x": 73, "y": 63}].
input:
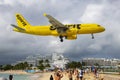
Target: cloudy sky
[{"x": 16, "y": 46}]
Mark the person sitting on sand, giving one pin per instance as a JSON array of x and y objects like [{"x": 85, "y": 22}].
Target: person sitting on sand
[{"x": 58, "y": 75}]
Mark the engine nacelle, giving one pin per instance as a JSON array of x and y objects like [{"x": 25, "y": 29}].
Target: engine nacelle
[
  {"x": 72, "y": 37},
  {"x": 52, "y": 28}
]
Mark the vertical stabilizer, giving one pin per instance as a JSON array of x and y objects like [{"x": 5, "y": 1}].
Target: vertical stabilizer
[{"x": 21, "y": 21}]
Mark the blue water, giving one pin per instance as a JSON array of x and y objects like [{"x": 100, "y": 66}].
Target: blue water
[{"x": 16, "y": 76}]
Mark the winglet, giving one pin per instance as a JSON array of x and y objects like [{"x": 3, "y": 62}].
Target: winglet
[{"x": 45, "y": 14}]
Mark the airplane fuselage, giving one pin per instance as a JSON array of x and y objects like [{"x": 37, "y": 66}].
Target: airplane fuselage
[{"x": 45, "y": 30}]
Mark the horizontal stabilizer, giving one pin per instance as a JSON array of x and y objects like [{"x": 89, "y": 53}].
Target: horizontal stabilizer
[
  {"x": 17, "y": 27},
  {"x": 45, "y": 14}
]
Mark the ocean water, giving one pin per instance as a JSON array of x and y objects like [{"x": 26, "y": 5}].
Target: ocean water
[{"x": 20, "y": 77}]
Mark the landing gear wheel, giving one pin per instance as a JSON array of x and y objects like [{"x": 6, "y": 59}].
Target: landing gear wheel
[
  {"x": 61, "y": 38},
  {"x": 92, "y": 36}
]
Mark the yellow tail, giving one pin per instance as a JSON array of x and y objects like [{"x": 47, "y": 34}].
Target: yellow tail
[{"x": 21, "y": 21}]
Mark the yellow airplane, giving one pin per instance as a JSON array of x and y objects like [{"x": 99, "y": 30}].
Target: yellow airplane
[{"x": 69, "y": 31}]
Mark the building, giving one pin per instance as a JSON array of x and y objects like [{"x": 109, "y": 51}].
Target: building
[
  {"x": 59, "y": 61},
  {"x": 31, "y": 60},
  {"x": 55, "y": 60},
  {"x": 101, "y": 61}
]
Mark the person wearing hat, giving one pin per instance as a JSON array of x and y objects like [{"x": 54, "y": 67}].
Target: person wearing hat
[{"x": 58, "y": 75}]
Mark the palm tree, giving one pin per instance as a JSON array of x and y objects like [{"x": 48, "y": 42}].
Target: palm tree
[
  {"x": 83, "y": 63},
  {"x": 119, "y": 67},
  {"x": 74, "y": 64},
  {"x": 8, "y": 67},
  {"x": 1, "y": 66},
  {"x": 26, "y": 65},
  {"x": 46, "y": 61},
  {"x": 41, "y": 66}
]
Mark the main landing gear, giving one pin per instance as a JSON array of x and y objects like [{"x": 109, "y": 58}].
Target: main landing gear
[
  {"x": 61, "y": 38},
  {"x": 92, "y": 36}
]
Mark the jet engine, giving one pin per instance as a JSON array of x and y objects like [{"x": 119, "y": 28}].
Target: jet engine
[{"x": 71, "y": 37}]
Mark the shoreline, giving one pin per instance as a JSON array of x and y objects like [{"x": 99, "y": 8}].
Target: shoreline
[
  {"x": 14, "y": 72},
  {"x": 32, "y": 76}
]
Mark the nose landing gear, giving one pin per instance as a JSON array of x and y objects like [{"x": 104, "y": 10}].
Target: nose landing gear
[
  {"x": 61, "y": 38},
  {"x": 92, "y": 36}
]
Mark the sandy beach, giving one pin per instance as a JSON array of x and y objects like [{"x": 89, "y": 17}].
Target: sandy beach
[
  {"x": 14, "y": 72},
  {"x": 110, "y": 76},
  {"x": 90, "y": 76},
  {"x": 46, "y": 75}
]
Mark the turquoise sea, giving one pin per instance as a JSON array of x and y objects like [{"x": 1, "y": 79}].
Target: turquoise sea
[{"x": 20, "y": 77}]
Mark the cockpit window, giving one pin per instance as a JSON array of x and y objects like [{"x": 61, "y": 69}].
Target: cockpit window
[{"x": 98, "y": 25}]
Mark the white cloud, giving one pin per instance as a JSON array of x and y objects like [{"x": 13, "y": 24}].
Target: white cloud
[
  {"x": 25, "y": 3},
  {"x": 103, "y": 12},
  {"x": 92, "y": 13},
  {"x": 95, "y": 47},
  {"x": 6, "y": 2}
]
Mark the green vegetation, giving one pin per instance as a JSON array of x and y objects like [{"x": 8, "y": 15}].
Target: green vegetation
[
  {"x": 74, "y": 64},
  {"x": 84, "y": 64},
  {"x": 7, "y": 67},
  {"x": 119, "y": 68},
  {"x": 24, "y": 66},
  {"x": 19, "y": 66},
  {"x": 43, "y": 64}
]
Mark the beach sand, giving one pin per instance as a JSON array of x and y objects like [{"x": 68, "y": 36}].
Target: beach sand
[
  {"x": 46, "y": 75},
  {"x": 90, "y": 76},
  {"x": 14, "y": 72},
  {"x": 110, "y": 76}
]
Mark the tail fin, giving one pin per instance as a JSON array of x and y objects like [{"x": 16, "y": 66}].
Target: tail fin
[{"x": 21, "y": 21}]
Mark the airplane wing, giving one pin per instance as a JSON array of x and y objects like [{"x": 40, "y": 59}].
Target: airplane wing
[{"x": 61, "y": 28}]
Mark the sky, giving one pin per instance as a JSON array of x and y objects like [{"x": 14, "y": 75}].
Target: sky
[{"x": 16, "y": 46}]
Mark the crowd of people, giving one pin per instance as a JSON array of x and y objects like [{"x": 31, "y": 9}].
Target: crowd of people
[{"x": 77, "y": 73}]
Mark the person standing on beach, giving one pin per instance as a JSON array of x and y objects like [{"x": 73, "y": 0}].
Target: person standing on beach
[
  {"x": 76, "y": 73},
  {"x": 81, "y": 74},
  {"x": 70, "y": 75},
  {"x": 58, "y": 75},
  {"x": 51, "y": 77},
  {"x": 10, "y": 77},
  {"x": 96, "y": 72}
]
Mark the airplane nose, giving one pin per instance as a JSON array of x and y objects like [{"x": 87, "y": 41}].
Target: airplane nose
[{"x": 102, "y": 28}]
